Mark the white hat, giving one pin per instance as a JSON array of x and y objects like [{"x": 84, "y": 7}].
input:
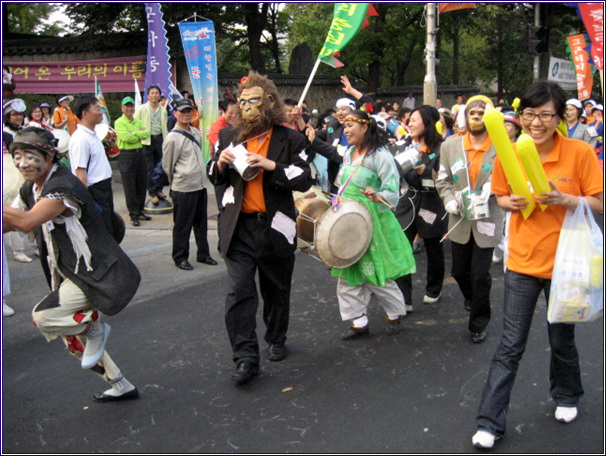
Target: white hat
[
  {"x": 598, "y": 107},
  {"x": 346, "y": 102},
  {"x": 16, "y": 104},
  {"x": 380, "y": 121},
  {"x": 65, "y": 97},
  {"x": 574, "y": 102}
]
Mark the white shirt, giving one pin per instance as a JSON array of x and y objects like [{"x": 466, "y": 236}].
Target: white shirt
[
  {"x": 87, "y": 151},
  {"x": 409, "y": 103}
]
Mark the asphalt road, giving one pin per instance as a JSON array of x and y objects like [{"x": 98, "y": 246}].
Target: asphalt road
[{"x": 415, "y": 392}]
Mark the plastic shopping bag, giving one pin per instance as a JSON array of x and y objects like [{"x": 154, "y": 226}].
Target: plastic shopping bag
[{"x": 577, "y": 286}]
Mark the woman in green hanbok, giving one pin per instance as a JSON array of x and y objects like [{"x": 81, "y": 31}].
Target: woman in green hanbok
[{"x": 369, "y": 175}]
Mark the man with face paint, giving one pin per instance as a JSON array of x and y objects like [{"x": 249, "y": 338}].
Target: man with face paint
[
  {"x": 85, "y": 268},
  {"x": 466, "y": 166},
  {"x": 257, "y": 219}
]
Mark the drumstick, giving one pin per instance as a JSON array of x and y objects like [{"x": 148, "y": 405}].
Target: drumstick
[{"x": 382, "y": 200}]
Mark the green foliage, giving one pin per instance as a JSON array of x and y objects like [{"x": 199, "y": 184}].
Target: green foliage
[{"x": 30, "y": 18}]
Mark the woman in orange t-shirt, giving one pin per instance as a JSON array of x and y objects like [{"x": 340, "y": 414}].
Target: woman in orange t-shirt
[
  {"x": 573, "y": 171},
  {"x": 63, "y": 117}
]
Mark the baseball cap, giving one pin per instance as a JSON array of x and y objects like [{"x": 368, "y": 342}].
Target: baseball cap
[
  {"x": 128, "y": 100},
  {"x": 574, "y": 102},
  {"x": 181, "y": 103}
]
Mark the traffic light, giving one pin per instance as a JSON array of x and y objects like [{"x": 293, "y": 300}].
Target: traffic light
[{"x": 538, "y": 39}]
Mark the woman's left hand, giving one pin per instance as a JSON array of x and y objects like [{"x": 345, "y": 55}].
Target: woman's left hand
[
  {"x": 371, "y": 194},
  {"x": 556, "y": 198}
]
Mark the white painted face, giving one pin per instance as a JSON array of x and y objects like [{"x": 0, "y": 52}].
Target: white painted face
[{"x": 33, "y": 164}]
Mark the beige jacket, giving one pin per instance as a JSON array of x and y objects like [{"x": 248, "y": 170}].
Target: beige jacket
[{"x": 182, "y": 161}]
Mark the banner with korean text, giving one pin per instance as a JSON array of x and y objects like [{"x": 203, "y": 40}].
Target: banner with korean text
[
  {"x": 198, "y": 40},
  {"x": 116, "y": 75},
  {"x": 580, "y": 57},
  {"x": 158, "y": 61},
  {"x": 593, "y": 18}
]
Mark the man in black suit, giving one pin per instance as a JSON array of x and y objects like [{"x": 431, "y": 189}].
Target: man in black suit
[{"x": 257, "y": 219}]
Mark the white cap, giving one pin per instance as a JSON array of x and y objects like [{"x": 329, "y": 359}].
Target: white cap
[
  {"x": 574, "y": 102},
  {"x": 346, "y": 102}
]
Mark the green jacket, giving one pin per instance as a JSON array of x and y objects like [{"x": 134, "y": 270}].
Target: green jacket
[
  {"x": 129, "y": 133},
  {"x": 144, "y": 114}
]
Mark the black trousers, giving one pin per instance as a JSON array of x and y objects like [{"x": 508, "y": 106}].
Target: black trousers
[
  {"x": 471, "y": 269},
  {"x": 189, "y": 212},
  {"x": 435, "y": 267},
  {"x": 133, "y": 170},
  {"x": 251, "y": 251},
  {"x": 104, "y": 197},
  {"x": 153, "y": 155}
]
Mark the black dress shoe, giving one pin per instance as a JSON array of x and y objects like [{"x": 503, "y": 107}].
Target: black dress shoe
[
  {"x": 478, "y": 338},
  {"x": 245, "y": 371},
  {"x": 467, "y": 305},
  {"x": 136, "y": 222},
  {"x": 277, "y": 352},
  {"x": 144, "y": 217},
  {"x": 185, "y": 265},
  {"x": 354, "y": 333},
  {"x": 208, "y": 260},
  {"x": 102, "y": 397}
]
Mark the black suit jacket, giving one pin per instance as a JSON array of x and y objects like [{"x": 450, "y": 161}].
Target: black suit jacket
[{"x": 287, "y": 149}]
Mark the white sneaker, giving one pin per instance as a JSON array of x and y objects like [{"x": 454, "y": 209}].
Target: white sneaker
[
  {"x": 37, "y": 252},
  {"x": 483, "y": 439},
  {"x": 22, "y": 258},
  {"x": 566, "y": 414},
  {"x": 6, "y": 310},
  {"x": 408, "y": 308},
  {"x": 96, "y": 339},
  {"x": 497, "y": 258},
  {"x": 429, "y": 300}
]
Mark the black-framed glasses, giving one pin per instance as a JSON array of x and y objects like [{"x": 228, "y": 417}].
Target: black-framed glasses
[{"x": 529, "y": 116}]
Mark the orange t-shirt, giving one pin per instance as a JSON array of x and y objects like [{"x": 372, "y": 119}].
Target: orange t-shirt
[
  {"x": 254, "y": 199},
  {"x": 59, "y": 116},
  {"x": 573, "y": 167},
  {"x": 475, "y": 157}
]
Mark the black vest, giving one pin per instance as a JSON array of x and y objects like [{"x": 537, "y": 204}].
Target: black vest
[{"x": 114, "y": 278}]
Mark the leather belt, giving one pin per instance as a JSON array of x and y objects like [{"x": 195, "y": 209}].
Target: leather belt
[{"x": 254, "y": 215}]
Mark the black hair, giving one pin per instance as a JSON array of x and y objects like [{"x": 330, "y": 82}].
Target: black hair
[
  {"x": 225, "y": 104},
  {"x": 31, "y": 110},
  {"x": 83, "y": 103},
  {"x": 448, "y": 120},
  {"x": 290, "y": 102},
  {"x": 375, "y": 137},
  {"x": 542, "y": 92},
  {"x": 151, "y": 87},
  {"x": 403, "y": 111},
  {"x": 431, "y": 136}
]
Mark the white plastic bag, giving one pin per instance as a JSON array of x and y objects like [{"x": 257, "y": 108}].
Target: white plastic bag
[{"x": 577, "y": 286}]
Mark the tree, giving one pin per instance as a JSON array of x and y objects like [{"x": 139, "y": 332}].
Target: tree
[{"x": 28, "y": 18}]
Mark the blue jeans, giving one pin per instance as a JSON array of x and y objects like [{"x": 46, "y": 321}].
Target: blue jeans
[{"x": 521, "y": 295}]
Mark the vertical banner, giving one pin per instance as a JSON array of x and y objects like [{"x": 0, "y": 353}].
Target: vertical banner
[
  {"x": 158, "y": 70},
  {"x": 99, "y": 95},
  {"x": 200, "y": 54},
  {"x": 593, "y": 18},
  {"x": 581, "y": 63}
]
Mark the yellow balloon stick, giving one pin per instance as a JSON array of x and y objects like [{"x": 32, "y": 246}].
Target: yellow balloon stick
[
  {"x": 493, "y": 120},
  {"x": 531, "y": 162}
]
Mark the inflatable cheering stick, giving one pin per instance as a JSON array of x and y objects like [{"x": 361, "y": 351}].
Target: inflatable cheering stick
[{"x": 531, "y": 162}]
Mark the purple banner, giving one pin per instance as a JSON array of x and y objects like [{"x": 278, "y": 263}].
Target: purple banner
[
  {"x": 115, "y": 75},
  {"x": 158, "y": 64}
]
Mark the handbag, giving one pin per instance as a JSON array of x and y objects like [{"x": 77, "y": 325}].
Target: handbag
[{"x": 576, "y": 293}]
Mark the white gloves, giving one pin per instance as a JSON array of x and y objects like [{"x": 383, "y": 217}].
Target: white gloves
[{"x": 452, "y": 207}]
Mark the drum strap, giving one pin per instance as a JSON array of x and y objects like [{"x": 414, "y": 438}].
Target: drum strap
[{"x": 336, "y": 200}]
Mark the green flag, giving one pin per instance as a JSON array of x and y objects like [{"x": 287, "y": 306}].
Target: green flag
[
  {"x": 347, "y": 21},
  {"x": 102, "y": 104}
]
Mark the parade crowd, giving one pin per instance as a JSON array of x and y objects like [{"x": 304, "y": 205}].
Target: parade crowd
[{"x": 416, "y": 174}]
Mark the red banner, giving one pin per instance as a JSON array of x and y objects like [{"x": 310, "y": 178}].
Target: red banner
[
  {"x": 580, "y": 59},
  {"x": 446, "y": 7},
  {"x": 593, "y": 18},
  {"x": 114, "y": 75}
]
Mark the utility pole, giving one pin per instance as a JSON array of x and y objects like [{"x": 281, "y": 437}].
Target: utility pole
[
  {"x": 536, "y": 65},
  {"x": 430, "y": 84}
]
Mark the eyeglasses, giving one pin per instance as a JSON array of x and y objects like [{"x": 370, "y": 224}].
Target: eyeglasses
[
  {"x": 16, "y": 114},
  {"x": 529, "y": 116}
]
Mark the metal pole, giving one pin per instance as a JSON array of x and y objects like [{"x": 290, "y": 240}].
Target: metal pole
[
  {"x": 430, "y": 84},
  {"x": 537, "y": 58}
]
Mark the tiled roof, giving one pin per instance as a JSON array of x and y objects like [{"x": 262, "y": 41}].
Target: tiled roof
[{"x": 18, "y": 44}]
